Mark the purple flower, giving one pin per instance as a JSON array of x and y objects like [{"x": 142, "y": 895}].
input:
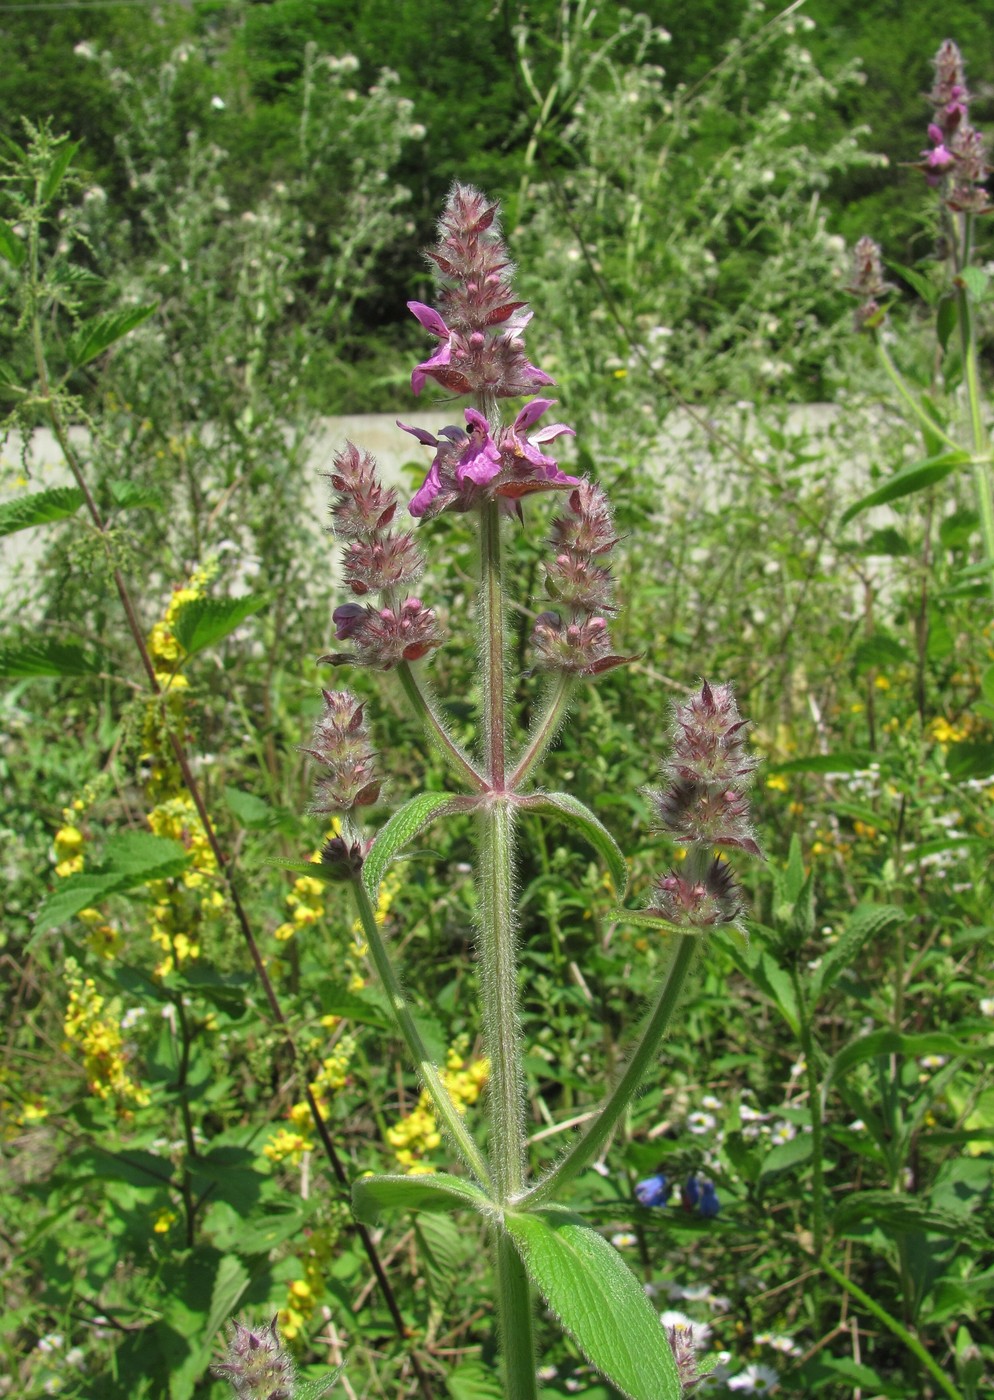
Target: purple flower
[
  {"x": 690, "y": 1193},
  {"x": 652, "y": 1191}
]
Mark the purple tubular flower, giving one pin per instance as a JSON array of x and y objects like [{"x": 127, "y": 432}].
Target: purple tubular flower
[
  {"x": 479, "y": 323},
  {"x": 652, "y": 1191},
  {"x": 470, "y": 467},
  {"x": 690, "y": 1192},
  {"x": 386, "y": 636}
]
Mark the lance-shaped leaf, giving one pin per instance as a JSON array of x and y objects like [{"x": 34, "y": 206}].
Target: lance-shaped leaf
[
  {"x": 867, "y": 922},
  {"x": 39, "y": 508},
  {"x": 94, "y": 337},
  {"x": 203, "y": 621},
  {"x": 403, "y": 826},
  {"x": 48, "y": 658},
  {"x": 573, "y": 812},
  {"x": 373, "y": 1196},
  {"x": 901, "y": 1215},
  {"x": 869, "y": 1047},
  {"x": 598, "y": 1300},
  {"x": 12, "y": 249},
  {"x": 911, "y": 479},
  {"x": 56, "y": 172}
]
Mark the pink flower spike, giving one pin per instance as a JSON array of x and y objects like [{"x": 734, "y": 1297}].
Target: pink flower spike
[
  {"x": 429, "y": 318},
  {"x": 440, "y": 360},
  {"x": 426, "y": 492},
  {"x": 531, "y": 413}
]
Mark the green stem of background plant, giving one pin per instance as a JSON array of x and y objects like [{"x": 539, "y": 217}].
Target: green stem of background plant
[
  {"x": 444, "y": 1108},
  {"x": 814, "y": 1114},
  {"x": 600, "y": 1129},
  {"x": 892, "y": 1325}
]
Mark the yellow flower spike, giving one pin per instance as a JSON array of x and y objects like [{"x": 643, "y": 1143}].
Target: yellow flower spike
[
  {"x": 163, "y": 1221},
  {"x": 777, "y": 783}
]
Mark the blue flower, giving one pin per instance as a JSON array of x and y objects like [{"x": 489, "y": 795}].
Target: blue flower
[
  {"x": 691, "y": 1193},
  {"x": 652, "y": 1191},
  {"x": 710, "y": 1205}
]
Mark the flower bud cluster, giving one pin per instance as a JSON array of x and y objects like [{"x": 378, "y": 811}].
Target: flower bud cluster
[
  {"x": 956, "y": 161},
  {"x": 376, "y": 559},
  {"x": 257, "y": 1364},
  {"x": 340, "y": 744},
  {"x": 478, "y": 323},
  {"x": 705, "y": 804},
  {"x": 576, "y": 640},
  {"x": 866, "y": 281}
]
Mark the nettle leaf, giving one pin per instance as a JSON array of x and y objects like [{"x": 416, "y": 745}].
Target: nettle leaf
[
  {"x": 374, "y": 1195},
  {"x": 96, "y": 336},
  {"x": 573, "y": 812},
  {"x": 402, "y": 827},
  {"x": 866, "y": 922},
  {"x": 869, "y": 1047},
  {"x": 132, "y": 858},
  {"x": 56, "y": 172},
  {"x": 128, "y": 495},
  {"x": 786, "y": 1156},
  {"x": 12, "y": 249},
  {"x": 911, "y": 479},
  {"x": 318, "y": 1386},
  {"x": 39, "y": 508},
  {"x": 48, "y": 658},
  {"x": 598, "y": 1300},
  {"x": 230, "y": 1284},
  {"x": 976, "y": 282},
  {"x": 203, "y": 621},
  {"x": 902, "y": 1215}
]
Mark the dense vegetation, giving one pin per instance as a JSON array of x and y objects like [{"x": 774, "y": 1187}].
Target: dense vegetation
[{"x": 228, "y": 253}]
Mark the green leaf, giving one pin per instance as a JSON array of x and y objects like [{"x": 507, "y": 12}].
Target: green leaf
[
  {"x": 786, "y": 1156},
  {"x": 928, "y": 292},
  {"x": 911, "y": 479},
  {"x": 902, "y": 1215},
  {"x": 402, "y": 827},
  {"x": 128, "y": 495},
  {"x": 48, "y": 658},
  {"x": 598, "y": 1300},
  {"x": 987, "y": 684},
  {"x": 230, "y": 1284},
  {"x": 879, "y": 651},
  {"x": 474, "y": 1381},
  {"x": 946, "y": 320},
  {"x": 56, "y": 172},
  {"x": 869, "y": 1047},
  {"x": 203, "y": 621},
  {"x": 970, "y": 760},
  {"x": 39, "y": 508},
  {"x": 96, "y": 336},
  {"x": 372, "y": 1195},
  {"x": 645, "y": 918},
  {"x": 441, "y": 1253},
  {"x": 976, "y": 282},
  {"x": 252, "y": 811},
  {"x": 956, "y": 529},
  {"x": 866, "y": 922},
  {"x": 133, "y": 858},
  {"x": 12, "y": 249},
  {"x": 318, "y": 1386},
  {"x": 573, "y": 812}
]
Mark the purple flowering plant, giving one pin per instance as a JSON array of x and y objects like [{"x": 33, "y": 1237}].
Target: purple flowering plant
[
  {"x": 486, "y": 469},
  {"x": 956, "y": 166}
]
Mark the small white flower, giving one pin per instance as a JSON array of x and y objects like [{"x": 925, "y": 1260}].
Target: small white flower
[
  {"x": 932, "y": 1061},
  {"x": 699, "y": 1332},
  {"x": 624, "y": 1239},
  {"x": 785, "y": 1345},
  {"x": 52, "y": 1341},
  {"x": 218, "y": 103},
  {"x": 755, "y": 1380},
  {"x": 75, "y": 1356},
  {"x": 857, "y": 1126},
  {"x": 700, "y": 1123},
  {"x": 709, "y": 1101},
  {"x": 782, "y": 1132},
  {"x": 547, "y": 1373},
  {"x": 84, "y": 50},
  {"x": 987, "y": 1006}
]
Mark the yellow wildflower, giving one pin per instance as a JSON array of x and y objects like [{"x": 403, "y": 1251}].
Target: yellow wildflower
[
  {"x": 285, "y": 1145},
  {"x": 164, "y": 1221},
  {"x": 93, "y": 1025},
  {"x": 776, "y": 782}
]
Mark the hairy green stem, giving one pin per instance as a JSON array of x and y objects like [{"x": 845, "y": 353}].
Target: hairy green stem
[
  {"x": 978, "y": 433},
  {"x": 597, "y": 1133},
  {"x": 425, "y": 707},
  {"x": 897, "y": 379},
  {"x": 499, "y": 970},
  {"x": 516, "y": 1323},
  {"x": 544, "y": 730},
  {"x": 892, "y": 1325},
  {"x": 445, "y": 1110}
]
